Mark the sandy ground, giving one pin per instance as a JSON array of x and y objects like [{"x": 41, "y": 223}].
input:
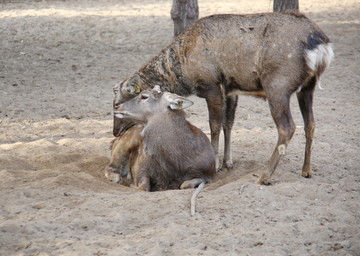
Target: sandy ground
[{"x": 58, "y": 63}]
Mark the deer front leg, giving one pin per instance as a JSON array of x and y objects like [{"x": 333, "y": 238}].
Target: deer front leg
[
  {"x": 121, "y": 164},
  {"x": 230, "y": 108},
  {"x": 215, "y": 103},
  {"x": 111, "y": 175},
  {"x": 141, "y": 170},
  {"x": 143, "y": 183}
]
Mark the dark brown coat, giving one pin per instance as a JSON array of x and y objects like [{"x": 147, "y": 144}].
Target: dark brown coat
[
  {"x": 173, "y": 153},
  {"x": 267, "y": 55}
]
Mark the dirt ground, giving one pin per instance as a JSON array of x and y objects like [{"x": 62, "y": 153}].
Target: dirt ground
[{"x": 58, "y": 63}]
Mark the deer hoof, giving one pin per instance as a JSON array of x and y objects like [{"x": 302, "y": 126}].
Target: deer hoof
[
  {"x": 112, "y": 176},
  {"x": 264, "y": 180},
  {"x": 228, "y": 165},
  {"x": 306, "y": 174}
]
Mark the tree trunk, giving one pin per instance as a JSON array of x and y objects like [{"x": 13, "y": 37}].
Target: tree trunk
[
  {"x": 184, "y": 13},
  {"x": 283, "y": 5}
]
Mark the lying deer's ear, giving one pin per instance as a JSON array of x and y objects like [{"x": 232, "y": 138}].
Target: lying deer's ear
[
  {"x": 177, "y": 102},
  {"x": 156, "y": 91}
]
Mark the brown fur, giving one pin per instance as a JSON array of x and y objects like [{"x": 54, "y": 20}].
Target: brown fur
[
  {"x": 172, "y": 151},
  {"x": 220, "y": 56},
  {"x": 124, "y": 151}
]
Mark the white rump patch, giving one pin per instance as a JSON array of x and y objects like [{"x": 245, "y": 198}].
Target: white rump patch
[{"x": 322, "y": 54}]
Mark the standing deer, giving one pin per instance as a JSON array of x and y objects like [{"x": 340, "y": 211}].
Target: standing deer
[
  {"x": 171, "y": 152},
  {"x": 267, "y": 55}
]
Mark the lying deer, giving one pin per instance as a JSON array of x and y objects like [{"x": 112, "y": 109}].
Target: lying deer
[
  {"x": 267, "y": 55},
  {"x": 172, "y": 153}
]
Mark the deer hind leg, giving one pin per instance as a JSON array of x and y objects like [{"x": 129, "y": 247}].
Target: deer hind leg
[
  {"x": 305, "y": 99},
  {"x": 280, "y": 110},
  {"x": 215, "y": 104},
  {"x": 230, "y": 108}
]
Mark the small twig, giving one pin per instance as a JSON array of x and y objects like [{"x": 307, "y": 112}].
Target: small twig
[
  {"x": 193, "y": 198},
  {"x": 242, "y": 188},
  {"x": 296, "y": 189}
]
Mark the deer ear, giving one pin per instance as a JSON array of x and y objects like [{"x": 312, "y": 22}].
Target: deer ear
[
  {"x": 177, "y": 102},
  {"x": 156, "y": 91}
]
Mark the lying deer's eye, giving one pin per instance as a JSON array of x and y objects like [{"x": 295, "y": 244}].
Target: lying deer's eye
[{"x": 144, "y": 96}]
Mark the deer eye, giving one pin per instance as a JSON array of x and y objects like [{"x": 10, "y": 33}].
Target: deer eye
[{"x": 144, "y": 96}]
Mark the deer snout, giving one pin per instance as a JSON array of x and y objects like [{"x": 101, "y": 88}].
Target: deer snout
[{"x": 119, "y": 112}]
